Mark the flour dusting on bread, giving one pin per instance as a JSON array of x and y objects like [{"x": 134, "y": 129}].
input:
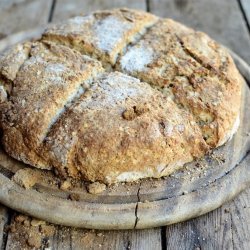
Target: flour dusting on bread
[
  {"x": 109, "y": 32},
  {"x": 136, "y": 59},
  {"x": 117, "y": 95}
]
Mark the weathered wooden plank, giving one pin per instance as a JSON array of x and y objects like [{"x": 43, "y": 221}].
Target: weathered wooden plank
[
  {"x": 28, "y": 233},
  {"x": 65, "y": 9},
  {"x": 71, "y": 238},
  {"x": 3, "y": 221},
  {"x": 17, "y": 15},
  {"x": 62, "y": 239},
  {"x": 210, "y": 231},
  {"x": 246, "y": 8},
  {"x": 240, "y": 220},
  {"x": 222, "y": 20},
  {"x": 224, "y": 228},
  {"x": 140, "y": 239}
]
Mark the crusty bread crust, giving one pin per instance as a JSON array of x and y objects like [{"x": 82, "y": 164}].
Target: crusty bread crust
[
  {"x": 103, "y": 34},
  {"x": 196, "y": 72},
  {"x": 61, "y": 109}
]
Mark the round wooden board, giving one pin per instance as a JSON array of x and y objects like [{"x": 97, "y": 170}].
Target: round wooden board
[{"x": 196, "y": 189}]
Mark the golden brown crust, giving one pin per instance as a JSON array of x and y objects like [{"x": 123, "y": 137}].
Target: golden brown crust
[
  {"x": 10, "y": 63},
  {"x": 47, "y": 82},
  {"x": 94, "y": 132},
  {"x": 12, "y": 60},
  {"x": 194, "y": 71},
  {"x": 59, "y": 109}
]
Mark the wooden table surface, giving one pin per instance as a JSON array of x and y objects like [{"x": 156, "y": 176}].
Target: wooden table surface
[{"x": 227, "y": 21}]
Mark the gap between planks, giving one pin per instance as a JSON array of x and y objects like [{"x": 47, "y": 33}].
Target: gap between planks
[
  {"x": 222, "y": 20},
  {"x": 5, "y": 215},
  {"x": 245, "y": 10},
  {"x": 52, "y": 9},
  {"x": 16, "y": 15}
]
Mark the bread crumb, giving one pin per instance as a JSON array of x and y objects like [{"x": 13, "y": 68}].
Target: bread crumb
[
  {"x": 131, "y": 113},
  {"x": 96, "y": 188},
  {"x": 48, "y": 230},
  {"x": 11, "y": 228},
  {"x": 66, "y": 185},
  {"x": 21, "y": 218},
  {"x": 26, "y": 223},
  {"x": 3, "y": 94},
  {"x": 26, "y": 177},
  {"x": 34, "y": 241},
  {"x": 36, "y": 223},
  {"x": 30, "y": 233},
  {"x": 219, "y": 158}
]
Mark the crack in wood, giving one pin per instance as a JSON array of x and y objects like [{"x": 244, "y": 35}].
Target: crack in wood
[
  {"x": 9, "y": 215},
  {"x": 148, "y": 5},
  {"x": 6, "y": 172},
  {"x": 127, "y": 244},
  {"x": 163, "y": 238},
  {"x": 244, "y": 15},
  {"x": 52, "y": 10},
  {"x": 231, "y": 227},
  {"x": 136, "y": 207}
]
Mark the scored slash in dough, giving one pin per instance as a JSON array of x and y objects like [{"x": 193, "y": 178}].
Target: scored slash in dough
[
  {"x": 94, "y": 133},
  {"x": 46, "y": 83},
  {"x": 102, "y": 34},
  {"x": 117, "y": 95},
  {"x": 193, "y": 70}
]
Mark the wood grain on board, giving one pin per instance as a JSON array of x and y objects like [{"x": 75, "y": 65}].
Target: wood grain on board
[
  {"x": 66, "y": 9},
  {"x": 222, "y": 20},
  {"x": 240, "y": 220},
  {"x": 20, "y": 15},
  {"x": 73, "y": 238},
  {"x": 140, "y": 239},
  {"x": 224, "y": 228},
  {"x": 210, "y": 231}
]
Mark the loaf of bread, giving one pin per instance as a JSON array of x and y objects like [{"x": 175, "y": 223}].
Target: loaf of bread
[{"x": 117, "y": 96}]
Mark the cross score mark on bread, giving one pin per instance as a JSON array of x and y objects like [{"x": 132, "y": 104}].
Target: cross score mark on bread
[{"x": 117, "y": 96}]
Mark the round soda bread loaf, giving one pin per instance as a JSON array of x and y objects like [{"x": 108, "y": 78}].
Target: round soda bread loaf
[{"x": 117, "y": 95}]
